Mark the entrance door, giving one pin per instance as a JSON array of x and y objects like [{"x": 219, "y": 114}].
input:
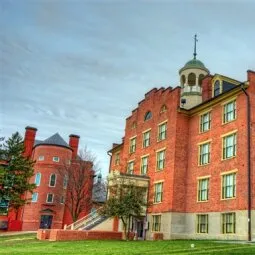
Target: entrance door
[
  {"x": 46, "y": 221},
  {"x": 139, "y": 230}
]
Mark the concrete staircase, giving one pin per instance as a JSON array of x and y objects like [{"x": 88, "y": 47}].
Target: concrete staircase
[{"x": 88, "y": 222}]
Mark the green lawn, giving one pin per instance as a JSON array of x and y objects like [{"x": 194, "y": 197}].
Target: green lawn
[{"x": 27, "y": 244}]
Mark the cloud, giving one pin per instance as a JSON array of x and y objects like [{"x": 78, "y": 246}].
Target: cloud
[{"x": 81, "y": 67}]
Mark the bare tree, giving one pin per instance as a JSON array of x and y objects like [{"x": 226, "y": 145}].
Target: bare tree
[{"x": 77, "y": 177}]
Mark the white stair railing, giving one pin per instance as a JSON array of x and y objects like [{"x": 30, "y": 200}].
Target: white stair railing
[{"x": 82, "y": 222}]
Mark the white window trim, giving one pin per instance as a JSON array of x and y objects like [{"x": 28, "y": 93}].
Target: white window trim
[
  {"x": 164, "y": 160},
  {"x": 201, "y": 123},
  {"x": 36, "y": 197},
  {"x": 39, "y": 179},
  {"x": 129, "y": 162},
  {"x": 141, "y": 164},
  {"x": 41, "y": 158},
  {"x": 62, "y": 202},
  {"x": 55, "y": 180},
  {"x": 55, "y": 160},
  {"x": 52, "y": 198},
  {"x": 232, "y": 100}
]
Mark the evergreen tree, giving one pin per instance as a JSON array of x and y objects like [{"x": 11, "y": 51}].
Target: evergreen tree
[{"x": 15, "y": 173}]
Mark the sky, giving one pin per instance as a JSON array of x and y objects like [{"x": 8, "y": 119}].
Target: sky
[{"x": 80, "y": 67}]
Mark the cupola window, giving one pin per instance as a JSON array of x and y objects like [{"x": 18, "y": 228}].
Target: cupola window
[
  {"x": 192, "y": 79},
  {"x": 200, "y": 79},
  {"x": 183, "y": 80}
]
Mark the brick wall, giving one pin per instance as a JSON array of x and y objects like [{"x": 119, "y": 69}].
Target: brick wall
[
  {"x": 33, "y": 211},
  {"x": 251, "y": 91},
  {"x": 217, "y": 165},
  {"x": 66, "y": 235}
]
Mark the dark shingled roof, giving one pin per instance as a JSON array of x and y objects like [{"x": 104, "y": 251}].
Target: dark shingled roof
[{"x": 55, "y": 139}]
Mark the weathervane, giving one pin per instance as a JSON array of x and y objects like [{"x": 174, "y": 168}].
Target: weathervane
[{"x": 195, "y": 46}]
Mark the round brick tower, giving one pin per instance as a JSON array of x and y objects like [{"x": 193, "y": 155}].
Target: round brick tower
[{"x": 47, "y": 206}]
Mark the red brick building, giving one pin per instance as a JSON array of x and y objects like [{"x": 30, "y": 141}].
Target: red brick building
[
  {"x": 193, "y": 147},
  {"x": 47, "y": 208}
]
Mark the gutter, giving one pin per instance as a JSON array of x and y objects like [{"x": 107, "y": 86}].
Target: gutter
[{"x": 248, "y": 157}]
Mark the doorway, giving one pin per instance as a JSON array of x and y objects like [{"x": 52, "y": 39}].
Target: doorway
[
  {"x": 139, "y": 229},
  {"x": 46, "y": 221}
]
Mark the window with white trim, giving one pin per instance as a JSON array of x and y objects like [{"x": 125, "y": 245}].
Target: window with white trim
[
  {"x": 229, "y": 186},
  {"x": 62, "y": 200},
  {"x": 55, "y": 159},
  {"x": 50, "y": 197},
  {"x": 162, "y": 131},
  {"x": 53, "y": 178},
  {"x": 148, "y": 116},
  {"x": 156, "y": 223},
  {"x": 146, "y": 139},
  {"x": 144, "y": 165},
  {"x": 205, "y": 122},
  {"x": 229, "y": 111},
  {"x": 216, "y": 88},
  {"x": 130, "y": 167},
  {"x": 41, "y": 158},
  {"x": 202, "y": 223},
  {"x": 204, "y": 153},
  {"x": 228, "y": 223},
  {"x": 203, "y": 189},
  {"x": 158, "y": 192},
  {"x": 132, "y": 145},
  {"x": 117, "y": 159},
  {"x": 161, "y": 160},
  {"x": 229, "y": 146},
  {"x": 37, "y": 179},
  {"x": 34, "y": 197}
]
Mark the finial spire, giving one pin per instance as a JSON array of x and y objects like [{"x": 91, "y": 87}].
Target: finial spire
[{"x": 195, "y": 46}]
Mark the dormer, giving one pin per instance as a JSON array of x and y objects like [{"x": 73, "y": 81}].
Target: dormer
[{"x": 221, "y": 84}]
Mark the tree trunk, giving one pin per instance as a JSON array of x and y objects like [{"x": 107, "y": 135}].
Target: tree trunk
[{"x": 124, "y": 228}]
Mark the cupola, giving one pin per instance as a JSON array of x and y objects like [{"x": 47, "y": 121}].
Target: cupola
[{"x": 191, "y": 76}]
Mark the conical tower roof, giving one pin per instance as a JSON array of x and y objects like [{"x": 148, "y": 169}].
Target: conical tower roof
[{"x": 55, "y": 139}]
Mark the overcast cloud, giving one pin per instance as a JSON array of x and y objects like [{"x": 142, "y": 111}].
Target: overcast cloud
[{"x": 82, "y": 66}]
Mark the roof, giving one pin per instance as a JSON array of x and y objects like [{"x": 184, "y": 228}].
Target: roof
[
  {"x": 232, "y": 90},
  {"x": 55, "y": 139},
  {"x": 194, "y": 64}
]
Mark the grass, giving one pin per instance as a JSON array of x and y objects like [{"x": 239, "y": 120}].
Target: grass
[{"x": 28, "y": 244}]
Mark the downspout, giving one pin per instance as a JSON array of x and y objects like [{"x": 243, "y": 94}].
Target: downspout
[{"x": 248, "y": 157}]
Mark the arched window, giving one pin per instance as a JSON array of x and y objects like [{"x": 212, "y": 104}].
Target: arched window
[
  {"x": 183, "y": 80},
  {"x": 38, "y": 179},
  {"x": 163, "y": 108},
  {"x": 200, "y": 78},
  {"x": 192, "y": 79},
  {"x": 148, "y": 115},
  {"x": 53, "y": 179},
  {"x": 216, "y": 88}
]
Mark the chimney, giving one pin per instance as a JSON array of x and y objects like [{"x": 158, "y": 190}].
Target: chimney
[
  {"x": 74, "y": 144},
  {"x": 251, "y": 77},
  {"x": 29, "y": 140}
]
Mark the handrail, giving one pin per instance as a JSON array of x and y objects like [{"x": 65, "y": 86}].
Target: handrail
[{"x": 81, "y": 221}]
